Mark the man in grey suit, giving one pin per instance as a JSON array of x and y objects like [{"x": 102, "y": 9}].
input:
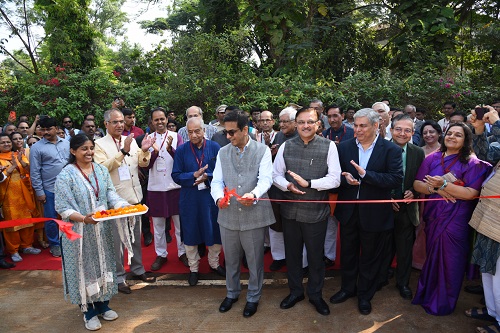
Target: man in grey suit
[
  {"x": 247, "y": 170},
  {"x": 405, "y": 214}
]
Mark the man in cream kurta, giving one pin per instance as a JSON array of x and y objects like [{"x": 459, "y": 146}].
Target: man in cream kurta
[{"x": 122, "y": 157}]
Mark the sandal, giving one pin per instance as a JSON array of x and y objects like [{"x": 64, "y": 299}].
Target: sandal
[
  {"x": 474, "y": 313},
  {"x": 495, "y": 328}
]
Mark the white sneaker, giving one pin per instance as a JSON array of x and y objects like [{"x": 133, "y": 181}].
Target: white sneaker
[
  {"x": 16, "y": 257},
  {"x": 31, "y": 250},
  {"x": 93, "y": 324},
  {"x": 109, "y": 315}
]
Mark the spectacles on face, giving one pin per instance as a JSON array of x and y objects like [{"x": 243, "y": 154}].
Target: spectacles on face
[
  {"x": 170, "y": 126},
  {"x": 223, "y": 112},
  {"x": 67, "y": 121},
  {"x": 116, "y": 122},
  {"x": 285, "y": 121},
  {"x": 22, "y": 128},
  {"x": 230, "y": 132},
  {"x": 399, "y": 130},
  {"x": 309, "y": 122}
]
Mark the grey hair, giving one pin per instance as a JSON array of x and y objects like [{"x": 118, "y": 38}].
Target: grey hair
[
  {"x": 200, "y": 111},
  {"x": 402, "y": 117},
  {"x": 317, "y": 101},
  {"x": 195, "y": 119},
  {"x": 290, "y": 111},
  {"x": 372, "y": 115},
  {"x": 411, "y": 107},
  {"x": 107, "y": 114},
  {"x": 384, "y": 106}
]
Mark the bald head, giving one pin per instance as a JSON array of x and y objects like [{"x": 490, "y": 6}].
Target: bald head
[{"x": 266, "y": 121}]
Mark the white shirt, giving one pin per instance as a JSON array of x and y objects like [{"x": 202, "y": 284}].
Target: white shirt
[
  {"x": 264, "y": 179},
  {"x": 330, "y": 180}
]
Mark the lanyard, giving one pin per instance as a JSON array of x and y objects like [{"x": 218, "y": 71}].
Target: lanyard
[
  {"x": 199, "y": 161},
  {"x": 165, "y": 138},
  {"x": 447, "y": 169},
  {"x": 117, "y": 143},
  {"x": 271, "y": 137},
  {"x": 96, "y": 190},
  {"x": 340, "y": 139}
]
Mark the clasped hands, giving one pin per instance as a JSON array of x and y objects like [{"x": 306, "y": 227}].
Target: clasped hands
[
  {"x": 437, "y": 182},
  {"x": 200, "y": 175}
]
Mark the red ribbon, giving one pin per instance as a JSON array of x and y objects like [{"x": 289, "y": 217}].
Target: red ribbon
[
  {"x": 229, "y": 193},
  {"x": 65, "y": 227},
  {"x": 227, "y": 196}
]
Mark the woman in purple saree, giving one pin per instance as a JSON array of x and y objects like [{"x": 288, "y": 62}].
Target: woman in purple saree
[{"x": 453, "y": 174}]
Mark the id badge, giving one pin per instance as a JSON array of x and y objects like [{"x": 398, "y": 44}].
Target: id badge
[
  {"x": 201, "y": 186},
  {"x": 93, "y": 289},
  {"x": 124, "y": 172},
  {"x": 161, "y": 164}
]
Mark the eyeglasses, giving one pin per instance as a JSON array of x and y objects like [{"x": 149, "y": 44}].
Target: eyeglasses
[
  {"x": 309, "y": 122},
  {"x": 399, "y": 130},
  {"x": 116, "y": 122},
  {"x": 23, "y": 128},
  {"x": 230, "y": 132},
  {"x": 67, "y": 121},
  {"x": 222, "y": 112},
  {"x": 285, "y": 121}
]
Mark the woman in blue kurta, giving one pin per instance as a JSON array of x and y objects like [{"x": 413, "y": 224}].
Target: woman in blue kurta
[
  {"x": 194, "y": 163},
  {"x": 89, "y": 273},
  {"x": 451, "y": 173}
]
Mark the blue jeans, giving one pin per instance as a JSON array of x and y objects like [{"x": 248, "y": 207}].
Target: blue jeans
[
  {"x": 51, "y": 227},
  {"x": 96, "y": 308}
]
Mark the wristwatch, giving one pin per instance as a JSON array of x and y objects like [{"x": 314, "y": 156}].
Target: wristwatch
[
  {"x": 124, "y": 152},
  {"x": 444, "y": 185}
]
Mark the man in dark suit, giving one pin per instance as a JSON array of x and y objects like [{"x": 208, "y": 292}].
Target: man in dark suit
[
  {"x": 372, "y": 167},
  {"x": 405, "y": 214}
]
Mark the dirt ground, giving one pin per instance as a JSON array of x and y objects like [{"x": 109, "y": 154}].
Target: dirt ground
[{"x": 32, "y": 301}]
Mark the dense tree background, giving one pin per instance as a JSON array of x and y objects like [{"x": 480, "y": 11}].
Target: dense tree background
[{"x": 262, "y": 53}]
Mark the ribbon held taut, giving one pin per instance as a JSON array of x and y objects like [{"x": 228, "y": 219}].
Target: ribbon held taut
[{"x": 65, "y": 227}]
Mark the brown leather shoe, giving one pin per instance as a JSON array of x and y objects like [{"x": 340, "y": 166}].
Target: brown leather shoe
[
  {"x": 124, "y": 288},
  {"x": 159, "y": 261},
  {"x": 184, "y": 259}
]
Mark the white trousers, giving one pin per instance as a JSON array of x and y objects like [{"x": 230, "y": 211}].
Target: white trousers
[
  {"x": 159, "y": 224},
  {"x": 194, "y": 257},
  {"x": 491, "y": 286},
  {"x": 331, "y": 238}
]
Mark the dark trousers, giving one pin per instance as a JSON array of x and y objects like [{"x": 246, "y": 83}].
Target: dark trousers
[
  {"x": 362, "y": 257},
  {"x": 96, "y": 308},
  {"x": 296, "y": 234},
  {"x": 404, "y": 237}
]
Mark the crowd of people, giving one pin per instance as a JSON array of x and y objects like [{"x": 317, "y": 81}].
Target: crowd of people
[{"x": 241, "y": 186}]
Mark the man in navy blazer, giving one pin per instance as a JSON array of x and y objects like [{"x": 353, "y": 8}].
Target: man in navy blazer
[{"x": 371, "y": 168}]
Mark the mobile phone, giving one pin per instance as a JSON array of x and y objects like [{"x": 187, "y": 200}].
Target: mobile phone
[
  {"x": 12, "y": 115},
  {"x": 480, "y": 113}
]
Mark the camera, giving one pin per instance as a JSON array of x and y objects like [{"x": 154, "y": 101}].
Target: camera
[{"x": 480, "y": 112}]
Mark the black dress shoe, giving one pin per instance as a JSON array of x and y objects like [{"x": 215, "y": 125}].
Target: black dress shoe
[
  {"x": 340, "y": 297},
  {"x": 6, "y": 265},
  {"x": 144, "y": 278},
  {"x": 184, "y": 259},
  {"x": 193, "y": 279},
  {"x": 364, "y": 306},
  {"x": 276, "y": 265},
  {"x": 219, "y": 270},
  {"x": 290, "y": 301},
  {"x": 320, "y": 306},
  {"x": 250, "y": 309},
  {"x": 148, "y": 239},
  {"x": 124, "y": 288},
  {"x": 226, "y": 304},
  {"x": 476, "y": 290},
  {"x": 159, "y": 261},
  {"x": 405, "y": 292},
  {"x": 328, "y": 262}
]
